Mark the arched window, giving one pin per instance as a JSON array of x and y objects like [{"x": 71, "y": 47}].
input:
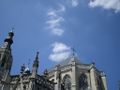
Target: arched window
[
  {"x": 67, "y": 82},
  {"x": 83, "y": 84}
]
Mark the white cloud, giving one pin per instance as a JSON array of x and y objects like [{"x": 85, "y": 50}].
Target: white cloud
[
  {"x": 106, "y": 4},
  {"x": 75, "y": 3},
  {"x": 61, "y": 9},
  {"x": 60, "y": 52},
  {"x": 52, "y": 13},
  {"x": 58, "y": 31},
  {"x": 55, "y": 19},
  {"x": 58, "y": 57},
  {"x": 59, "y": 47}
]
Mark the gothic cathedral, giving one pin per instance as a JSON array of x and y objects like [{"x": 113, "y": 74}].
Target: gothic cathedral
[{"x": 71, "y": 74}]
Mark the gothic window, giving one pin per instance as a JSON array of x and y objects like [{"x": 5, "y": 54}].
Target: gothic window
[
  {"x": 83, "y": 84},
  {"x": 67, "y": 82}
]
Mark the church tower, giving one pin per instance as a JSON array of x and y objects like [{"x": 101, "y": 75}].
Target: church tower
[{"x": 6, "y": 57}]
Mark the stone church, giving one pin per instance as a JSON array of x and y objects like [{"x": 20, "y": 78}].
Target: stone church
[
  {"x": 74, "y": 75},
  {"x": 26, "y": 80},
  {"x": 71, "y": 74}
]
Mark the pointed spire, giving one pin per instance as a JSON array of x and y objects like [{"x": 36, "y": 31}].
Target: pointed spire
[
  {"x": 73, "y": 52},
  {"x": 36, "y": 58},
  {"x": 36, "y": 61},
  {"x": 35, "y": 66}
]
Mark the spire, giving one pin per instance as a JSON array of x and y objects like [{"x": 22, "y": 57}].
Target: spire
[
  {"x": 6, "y": 57},
  {"x": 36, "y": 61},
  {"x": 73, "y": 52},
  {"x": 36, "y": 58},
  {"x": 74, "y": 56},
  {"x": 8, "y": 40},
  {"x": 35, "y": 66}
]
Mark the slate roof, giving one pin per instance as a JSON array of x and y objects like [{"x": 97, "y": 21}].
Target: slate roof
[{"x": 67, "y": 62}]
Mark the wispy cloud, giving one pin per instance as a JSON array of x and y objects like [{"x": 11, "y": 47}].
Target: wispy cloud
[
  {"x": 60, "y": 52},
  {"x": 74, "y": 3},
  {"x": 55, "y": 18},
  {"x": 106, "y": 4}
]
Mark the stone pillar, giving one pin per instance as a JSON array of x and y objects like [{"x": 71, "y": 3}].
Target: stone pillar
[
  {"x": 73, "y": 78},
  {"x": 32, "y": 84},
  {"x": 21, "y": 82},
  {"x": 93, "y": 79},
  {"x": 89, "y": 81},
  {"x": 104, "y": 81},
  {"x": 57, "y": 78}
]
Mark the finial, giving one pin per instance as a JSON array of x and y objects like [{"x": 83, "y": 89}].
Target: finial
[
  {"x": 73, "y": 52},
  {"x": 103, "y": 73},
  {"x": 37, "y": 55},
  {"x": 22, "y": 68},
  {"x": 46, "y": 72},
  {"x": 13, "y": 29},
  {"x": 11, "y": 33},
  {"x": 93, "y": 63}
]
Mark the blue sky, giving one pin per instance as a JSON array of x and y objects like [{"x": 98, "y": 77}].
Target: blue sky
[{"x": 92, "y": 28}]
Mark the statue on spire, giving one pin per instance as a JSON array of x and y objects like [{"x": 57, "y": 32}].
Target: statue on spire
[{"x": 8, "y": 40}]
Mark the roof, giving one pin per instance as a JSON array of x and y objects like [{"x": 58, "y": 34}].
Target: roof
[
  {"x": 70, "y": 60},
  {"x": 66, "y": 62}
]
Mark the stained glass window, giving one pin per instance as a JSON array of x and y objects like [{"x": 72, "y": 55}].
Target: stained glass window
[
  {"x": 83, "y": 84},
  {"x": 67, "y": 82}
]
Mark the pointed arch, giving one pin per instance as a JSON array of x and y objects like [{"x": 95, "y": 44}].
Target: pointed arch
[
  {"x": 83, "y": 84},
  {"x": 67, "y": 82}
]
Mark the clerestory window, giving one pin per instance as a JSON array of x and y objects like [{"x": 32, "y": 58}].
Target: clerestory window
[
  {"x": 83, "y": 84},
  {"x": 67, "y": 82}
]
